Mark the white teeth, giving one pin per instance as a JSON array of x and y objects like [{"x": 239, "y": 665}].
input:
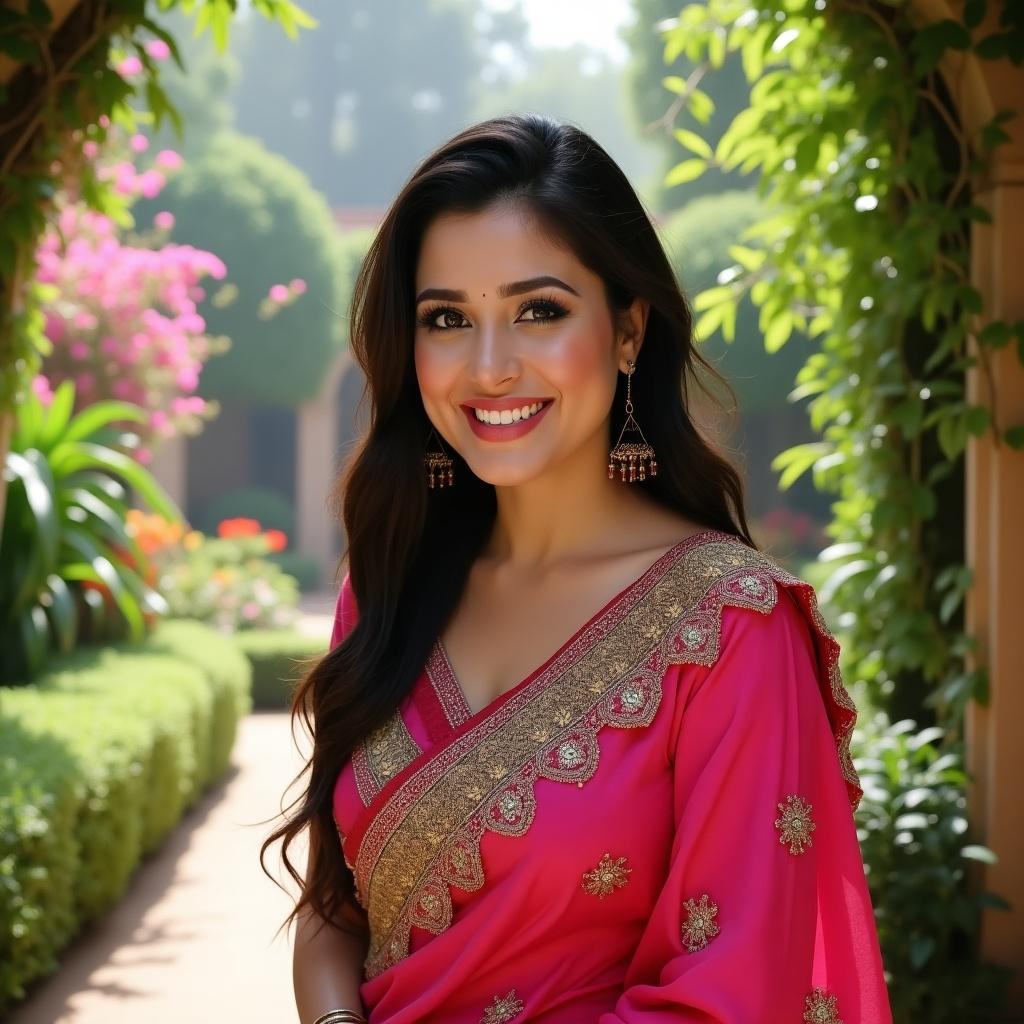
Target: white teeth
[{"x": 507, "y": 415}]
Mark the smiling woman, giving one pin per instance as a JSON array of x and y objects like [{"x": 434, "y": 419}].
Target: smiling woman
[{"x": 580, "y": 751}]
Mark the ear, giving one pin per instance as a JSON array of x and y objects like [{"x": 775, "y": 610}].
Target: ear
[{"x": 632, "y": 326}]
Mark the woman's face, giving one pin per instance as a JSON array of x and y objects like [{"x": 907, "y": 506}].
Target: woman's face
[{"x": 492, "y": 335}]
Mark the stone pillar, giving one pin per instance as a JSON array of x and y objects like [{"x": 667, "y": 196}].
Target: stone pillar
[
  {"x": 170, "y": 467},
  {"x": 316, "y": 452}
]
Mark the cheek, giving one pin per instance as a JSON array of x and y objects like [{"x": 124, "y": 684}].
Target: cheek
[
  {"x": 580, "y": 367},
  {"x": 434, "y": 372}
]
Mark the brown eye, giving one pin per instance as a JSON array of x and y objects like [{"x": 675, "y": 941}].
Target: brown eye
[{"x": 549, "y": 309}]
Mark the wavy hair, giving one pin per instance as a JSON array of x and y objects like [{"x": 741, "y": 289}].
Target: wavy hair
[{"x": 410, "y": 549}]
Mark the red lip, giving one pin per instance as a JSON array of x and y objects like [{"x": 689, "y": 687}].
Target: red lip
[{"x": 505, "y": 432}]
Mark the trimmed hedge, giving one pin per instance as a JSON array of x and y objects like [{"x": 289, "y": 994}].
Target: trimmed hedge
[
  {"x": 278, "y": 658},
  {"x": 100, "y": 758}
]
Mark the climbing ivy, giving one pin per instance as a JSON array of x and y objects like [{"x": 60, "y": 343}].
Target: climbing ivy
[
  {"x": 70, "y": 87},
  {"x": 868, "y": 173}
]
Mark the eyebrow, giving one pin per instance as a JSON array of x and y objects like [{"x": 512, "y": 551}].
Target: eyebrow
[{"x": 504, "y": 290}]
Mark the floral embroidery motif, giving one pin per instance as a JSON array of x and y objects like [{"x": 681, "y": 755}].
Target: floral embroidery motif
[
  {"x": 570, "y": 755},
  {"x": 608, "y": 876},
  {"x": 752, "y": 585},
  {"x": 426, "y": 836},
  {"x": 821, "y": 1008},
  {"x": 382, "y": 755},
  {"x": 795, "y": 824},
  {"x": 699, "y": 928},
  {"x": 503, "y": 1010}
]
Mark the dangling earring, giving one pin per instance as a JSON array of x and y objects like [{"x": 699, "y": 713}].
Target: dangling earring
[
  {"x": 441, "y": 463},
  {"x": 633, "y": 453}
]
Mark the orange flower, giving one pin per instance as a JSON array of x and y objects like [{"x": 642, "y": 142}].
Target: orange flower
[
  {"x": 238, "y": 527},
  {"x": 277, "y": 539}
]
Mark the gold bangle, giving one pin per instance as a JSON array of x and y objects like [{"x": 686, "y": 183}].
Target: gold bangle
[{"x": 341, "y": 1017}]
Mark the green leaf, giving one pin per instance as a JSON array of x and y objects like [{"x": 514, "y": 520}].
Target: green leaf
[
  {"x": 795, "y": 461},
  {"x": 688, "y": 170},
  {"x": 87, "y": 455},
  {"x": 996, "y": 335},
  {"x": 701, "y": 105},
  {"x": 974, "y": 13},
  {"x": 779, "y": 330},
  {"x": 979, "y": 853},
  {"x": 83, "y": 544},
  {"x": 693, "y": 142},
  {"x": 39, "y": 13},
  {"x": 1014, "y": 437},
  {"x": 93, "y": 418}
]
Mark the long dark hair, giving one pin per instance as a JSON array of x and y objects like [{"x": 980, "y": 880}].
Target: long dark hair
[{"x": 410, "y": 549}]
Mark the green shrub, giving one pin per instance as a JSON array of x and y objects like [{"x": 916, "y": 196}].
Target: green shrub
[
  {"x": 307, "y": 570},
  {"x": 278, "y": 657},
  {"x": 913, "y": 833},
  {"x": 102, "y": 755},
  {"x": 40, "y": 797}
]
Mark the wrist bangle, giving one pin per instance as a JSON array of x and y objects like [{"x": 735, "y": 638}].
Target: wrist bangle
[{"x": 341, "y": 1017}]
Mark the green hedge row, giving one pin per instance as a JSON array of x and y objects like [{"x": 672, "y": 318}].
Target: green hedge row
[
  {"x": 99, "y": 759},
  {"x": 278, "y": 658}
]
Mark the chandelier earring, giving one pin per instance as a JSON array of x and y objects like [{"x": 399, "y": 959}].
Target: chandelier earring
[
  {"x": 636, "y": 457},
  {"x": 439, "y": 463}
]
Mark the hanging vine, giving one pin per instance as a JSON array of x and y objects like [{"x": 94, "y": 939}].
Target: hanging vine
[{"x": 874, "y": 186}]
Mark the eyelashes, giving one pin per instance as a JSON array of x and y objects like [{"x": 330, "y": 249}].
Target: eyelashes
[{"x": 553, "y": 309}]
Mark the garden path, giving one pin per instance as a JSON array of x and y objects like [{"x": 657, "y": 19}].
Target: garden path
[{"x": 192, "y": 942}]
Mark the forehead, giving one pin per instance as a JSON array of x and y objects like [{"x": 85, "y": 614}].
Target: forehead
[{"x": 484, "y": 249}]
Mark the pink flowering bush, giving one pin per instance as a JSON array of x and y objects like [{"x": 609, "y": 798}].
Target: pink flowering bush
[{"x": 123, "y": 317}]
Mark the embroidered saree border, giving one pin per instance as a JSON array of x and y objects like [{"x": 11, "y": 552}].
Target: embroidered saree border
[
  {"x": 382, "y": 755},
  {"x": 446, "y": 686},
  {"x": 427, "y": 835}
]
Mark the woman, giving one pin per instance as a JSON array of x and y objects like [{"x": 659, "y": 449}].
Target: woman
[{"x": 581, "y": 752}]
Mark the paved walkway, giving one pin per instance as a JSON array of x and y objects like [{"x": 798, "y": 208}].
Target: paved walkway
[{"x": 192, "y": 942}]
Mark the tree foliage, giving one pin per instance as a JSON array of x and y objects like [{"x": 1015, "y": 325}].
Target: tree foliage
[
  {"x": 67, "y": 91},
  {"x": 262, "y": 217},
  {"x": 867, "y": 173}
]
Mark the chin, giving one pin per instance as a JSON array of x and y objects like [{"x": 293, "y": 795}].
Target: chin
[{"x": 508, "y": 476}]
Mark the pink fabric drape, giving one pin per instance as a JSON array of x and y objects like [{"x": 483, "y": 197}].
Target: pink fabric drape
[{"x": 696, "y": 862}]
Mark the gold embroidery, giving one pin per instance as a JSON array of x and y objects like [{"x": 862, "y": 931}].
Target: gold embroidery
[
  {"x": 699, "y": 928},
  {"x": 503, "y": 1010},
  {"x": 382, "y": 755},
  {"x": 609, "y": 675},
  {"x": 608, "y": 876},
  {"x": 446, "y": 686},
  {"x": 795, "y": 824},
  {"x": 821, "y": 1008}
]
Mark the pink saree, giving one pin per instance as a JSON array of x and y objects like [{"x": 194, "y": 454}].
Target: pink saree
[{"x": 654, "y": 826}]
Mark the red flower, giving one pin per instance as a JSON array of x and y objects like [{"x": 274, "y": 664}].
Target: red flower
[
  {"x": 239, "y": 527},
  {"x": 277, "y": 539}
]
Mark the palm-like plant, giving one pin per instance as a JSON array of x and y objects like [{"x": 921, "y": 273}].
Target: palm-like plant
[{"x": 64, "y": 541}]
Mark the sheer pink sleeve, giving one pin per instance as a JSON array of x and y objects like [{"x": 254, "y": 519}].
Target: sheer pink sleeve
[
  {"x": 765, "y": 914},
  {"x": 345, "y": 613}
]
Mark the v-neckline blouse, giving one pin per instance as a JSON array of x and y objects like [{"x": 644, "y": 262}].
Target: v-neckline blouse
[{"x": 452, "y": 694}]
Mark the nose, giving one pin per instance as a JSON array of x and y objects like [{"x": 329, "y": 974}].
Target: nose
[{"x": 493, "y": 358}]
